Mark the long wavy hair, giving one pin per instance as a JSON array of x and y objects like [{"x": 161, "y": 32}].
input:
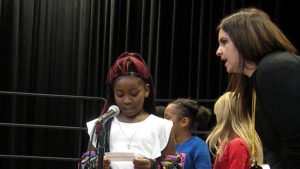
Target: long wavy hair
[
  {"x": 255, "y": 36},
  {"x": 231, "y": 122}
]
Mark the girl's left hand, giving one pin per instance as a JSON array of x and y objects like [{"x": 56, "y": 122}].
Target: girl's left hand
[
  {"x": 141, "y": 163},
  {"x": 106, "y": 163}
]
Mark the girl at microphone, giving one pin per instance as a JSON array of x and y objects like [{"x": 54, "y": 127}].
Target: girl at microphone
[{"x": 130, "y": 87}]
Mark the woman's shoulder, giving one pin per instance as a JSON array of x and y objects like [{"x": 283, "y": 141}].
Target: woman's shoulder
[
  {"x": 278, "y": 60},
  {"x": 277, "y": 67}
]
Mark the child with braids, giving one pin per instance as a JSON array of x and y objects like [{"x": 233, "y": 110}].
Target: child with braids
[
  {"x": 135, "y": 129},
  {"x": 185, "y": 114}
]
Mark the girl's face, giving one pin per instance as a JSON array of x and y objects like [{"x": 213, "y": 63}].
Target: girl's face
[
  {"x": 228, "y": 52},
  {"x": 130, "y": 93},
  {"x": 171, "y": 113}
]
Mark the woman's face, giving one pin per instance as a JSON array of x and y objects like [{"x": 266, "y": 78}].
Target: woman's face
[
  {"x": 228, "y": 53},
  {"x": 130, "y": 93}
]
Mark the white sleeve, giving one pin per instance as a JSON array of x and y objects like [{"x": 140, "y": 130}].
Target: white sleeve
[
  {"x": 165, "y": 132},
  {"x": 90, "y": 126},
  {"x": 156, "y": 135}
]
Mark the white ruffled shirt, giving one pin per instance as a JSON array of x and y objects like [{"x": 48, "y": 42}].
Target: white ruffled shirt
[{"x": 148, "y": 138}]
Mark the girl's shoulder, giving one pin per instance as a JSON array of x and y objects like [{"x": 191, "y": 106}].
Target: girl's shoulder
[
  {"x": 158, "y": 121},
  {"x": 238, "y": 144},
  {"x": 237, "y": 140},
  {"x": 198, "y": 140}
]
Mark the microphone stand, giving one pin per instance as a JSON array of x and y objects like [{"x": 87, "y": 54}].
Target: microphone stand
[{"x": 100, "y": 144}]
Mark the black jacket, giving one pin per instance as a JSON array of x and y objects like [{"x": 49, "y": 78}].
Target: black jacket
[{"x": 277, "y": 84}]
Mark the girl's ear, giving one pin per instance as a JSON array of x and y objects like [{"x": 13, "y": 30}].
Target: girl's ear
[
  {"x": 185, "y": 122},
  {"x": 147, "y": 90}
]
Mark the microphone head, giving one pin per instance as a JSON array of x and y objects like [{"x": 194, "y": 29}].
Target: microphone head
[{"x": 115, "y": 109}]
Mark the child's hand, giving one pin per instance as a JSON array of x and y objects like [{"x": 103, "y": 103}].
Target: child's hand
[
  {"x": 106, "y": 163},
  {"x": 141, "y": 163}
]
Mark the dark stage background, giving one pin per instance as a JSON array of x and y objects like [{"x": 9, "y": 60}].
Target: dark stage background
[{"x": 65, "y": 47}]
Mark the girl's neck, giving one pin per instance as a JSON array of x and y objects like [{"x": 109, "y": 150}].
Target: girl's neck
[
  {"x": 232, "y": 135},
  {"x": 183, "y": 136},
  {"x": 133, "y": 119}
]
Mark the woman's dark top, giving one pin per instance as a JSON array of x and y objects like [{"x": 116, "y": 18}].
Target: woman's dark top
[{"x": 277, "y": 84}]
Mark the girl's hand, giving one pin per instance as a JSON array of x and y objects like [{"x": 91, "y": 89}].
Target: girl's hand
[
  {"x": 106, "y": 163},
  {"x": 141, "y": 163}
]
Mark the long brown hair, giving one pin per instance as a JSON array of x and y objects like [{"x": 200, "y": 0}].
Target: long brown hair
[{"x": 255, "y": 36}]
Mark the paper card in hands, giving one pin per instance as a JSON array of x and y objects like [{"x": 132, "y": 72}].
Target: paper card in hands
[{"x": 121, "y": 156}]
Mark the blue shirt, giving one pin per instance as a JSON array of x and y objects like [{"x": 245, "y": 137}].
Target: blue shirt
[{"x": 197, "y": 153}]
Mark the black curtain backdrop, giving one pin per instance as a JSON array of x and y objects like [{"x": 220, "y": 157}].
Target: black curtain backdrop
[{"x": 66, "y": 47}]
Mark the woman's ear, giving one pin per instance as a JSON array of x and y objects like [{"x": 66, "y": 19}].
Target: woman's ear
[{"x": 147, "y": 90}]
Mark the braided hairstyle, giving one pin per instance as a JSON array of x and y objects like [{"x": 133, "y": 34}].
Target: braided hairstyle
[
  {"x": 198, "y": 115},
  {"x": 129, "y": 64}
]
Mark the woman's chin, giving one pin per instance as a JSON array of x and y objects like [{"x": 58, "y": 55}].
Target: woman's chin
[{"x": 229, "y": 71}]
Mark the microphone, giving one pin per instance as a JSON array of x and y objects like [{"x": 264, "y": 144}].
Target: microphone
[{"x": 112, "y": 111}]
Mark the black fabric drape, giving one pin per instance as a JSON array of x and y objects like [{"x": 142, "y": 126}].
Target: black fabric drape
[{"x": 67, "y": 46}]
